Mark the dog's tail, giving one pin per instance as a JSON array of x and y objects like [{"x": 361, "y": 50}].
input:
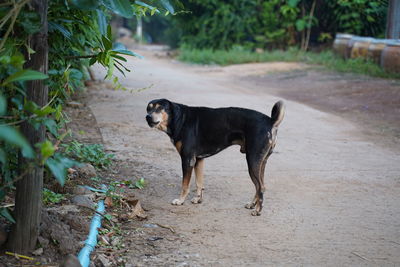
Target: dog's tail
[{"x": 277, "y": 113}]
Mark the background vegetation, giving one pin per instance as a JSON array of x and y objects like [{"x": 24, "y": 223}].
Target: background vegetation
[{"x": 218, "y": 24}]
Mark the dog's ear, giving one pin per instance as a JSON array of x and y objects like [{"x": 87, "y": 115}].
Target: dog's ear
[
  {"x": 177, "y": 118},
  {"x": 175, "y": 110}
]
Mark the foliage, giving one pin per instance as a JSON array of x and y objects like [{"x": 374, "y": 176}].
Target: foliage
[
  {"x": 360, "y": 17},
  {"x": 327, "y": 59},
  {"x": 218, "y": 24},
  {"x": 78, "y": 36},
  {"x": 140, "y": 183},
  {"x": 49, "y": 197},
  {"x": 89, "y": 153}
]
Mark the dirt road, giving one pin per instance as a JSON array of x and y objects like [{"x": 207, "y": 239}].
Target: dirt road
[{"x": 332, "y": 199}]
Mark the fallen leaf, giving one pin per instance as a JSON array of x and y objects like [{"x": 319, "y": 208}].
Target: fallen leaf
[
  {"x": 38, "y": 252},
  {"x": 108, "y": 201},
  {"x": 137, "y": 210}
]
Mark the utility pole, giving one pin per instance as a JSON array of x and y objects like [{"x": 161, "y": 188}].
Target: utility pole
[
  {"x": 28, "y": 199},
  {"x": 393, "y": 20}
]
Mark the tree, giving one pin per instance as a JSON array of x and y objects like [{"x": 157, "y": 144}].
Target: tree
[
  {"x": 78, "y": 35},
  {"x": 28, "y": 200},
  {"x": 393, "y": 20}
]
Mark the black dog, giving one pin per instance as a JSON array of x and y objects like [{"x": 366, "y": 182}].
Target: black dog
[{"x": 200, "y": 132}]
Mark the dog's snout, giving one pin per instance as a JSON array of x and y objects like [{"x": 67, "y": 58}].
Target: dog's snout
[{"x": 149, "y": 119}]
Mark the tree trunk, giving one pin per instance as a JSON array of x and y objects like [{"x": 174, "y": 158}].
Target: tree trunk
[
  {"x": 393, "y": 20},
  {"x": 28, "y": 199},
  {"x": 139, "y": 29},
  {"x": 309, "y": 25}
]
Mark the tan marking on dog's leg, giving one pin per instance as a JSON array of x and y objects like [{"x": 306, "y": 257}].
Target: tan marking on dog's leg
[
  {"x": 198, "y": 169},
  {"x": 257, "y": 211},
  {"x": 259, "y": 201},
  {"x": 178, "y": 146},
  {"x": 185, "y": 188}
]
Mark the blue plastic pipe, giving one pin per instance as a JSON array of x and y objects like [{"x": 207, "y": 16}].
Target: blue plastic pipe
[{"x": 91, "y": 241}]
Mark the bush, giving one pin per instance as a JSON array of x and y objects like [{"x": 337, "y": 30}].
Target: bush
[{"x": 325, "y": 58}]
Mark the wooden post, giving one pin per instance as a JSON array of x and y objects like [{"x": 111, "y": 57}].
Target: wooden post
[
  {"x": 393, "y": 20},
  {"x": 28, "y": 199}
]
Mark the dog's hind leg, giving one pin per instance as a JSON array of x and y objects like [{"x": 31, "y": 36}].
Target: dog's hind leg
[
  {"x": 256, "y": 165},
  {"x": 187, "y": 168},
  {"x": 198, "y": 169}
]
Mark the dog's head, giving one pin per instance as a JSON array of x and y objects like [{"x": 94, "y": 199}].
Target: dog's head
[{"x": 158, "y": 114}]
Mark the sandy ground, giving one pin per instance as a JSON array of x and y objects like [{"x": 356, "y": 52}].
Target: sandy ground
[{"x": 333, "y": 194}]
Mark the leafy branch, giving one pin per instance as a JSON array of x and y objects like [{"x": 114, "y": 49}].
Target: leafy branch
[{"x": 14, "y": 12}]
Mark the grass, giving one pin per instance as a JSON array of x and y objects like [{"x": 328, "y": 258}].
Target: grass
[
  {"x": 49, "y": 197},
  {"x": 89, "y": 153},
  {"x": 325, "y": 58}
]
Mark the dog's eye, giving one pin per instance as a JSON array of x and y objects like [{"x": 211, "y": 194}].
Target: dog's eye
[{"x": 159, "y": 109}]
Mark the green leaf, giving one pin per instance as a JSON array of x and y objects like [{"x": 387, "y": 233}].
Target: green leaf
[
  {"x": 6, "y": 214},
  {"x": 167, "y": 5},
  {"x": 25, "y": 75},
  {"x": 58, "y": 113},
  {"x": 109, "y": 32},
  {"x": 30, "y": 106},
  {"x": 92, "y": 61},
  {"x": 301, "y": 24},
  {"x": 58, "y": 165},
  {"x": 51, "y": 125},
  {"x": 152, "y": 8},
  {"x": 110, "y": 68},
  {"x": 75, "y": 75},
  {"x": 46, "y": 149},
  {"x": 3, "y": 158},
  {"x": 54, "y": 26},
  {"x": 293, "y": 3},
  {"x": 108, "y": 217},
  {"x": 118, "y": 57},
  {"x": 2, "y": 193},
  {"x": 44, "y": 111},
  {"x": 3, "y": 105},
  {"x": 119, "y": 7},
  {"x": 49, "y": 197},
  {"x": 30, "y": 22},
  {"x": 12, "y": 136},
  {"x": 101, "y": 21},
  {"x": 86, "y": 4},
  {"x": 140, "y": 183},
  {"x": 18, "y": 101},
  {"x": 107, "y": 43},
  {"x": 140, "y": 3},
  {"x": 128, "y": 52}
]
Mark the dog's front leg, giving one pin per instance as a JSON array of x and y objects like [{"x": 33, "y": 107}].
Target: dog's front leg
[
  {"x": 187, "y": 168},
  {"x": 198, "y": 169}
]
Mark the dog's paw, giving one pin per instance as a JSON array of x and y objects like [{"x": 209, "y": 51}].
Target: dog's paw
[
  {"x": 250, "y": 206},
  {"x": 177, "y": 202},
  {"x": 197, "y": 200},
  {"x": 255, "y": 213}
]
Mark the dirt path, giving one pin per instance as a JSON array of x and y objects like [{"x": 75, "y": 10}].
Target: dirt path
[{"x": 333, "y": 196}]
